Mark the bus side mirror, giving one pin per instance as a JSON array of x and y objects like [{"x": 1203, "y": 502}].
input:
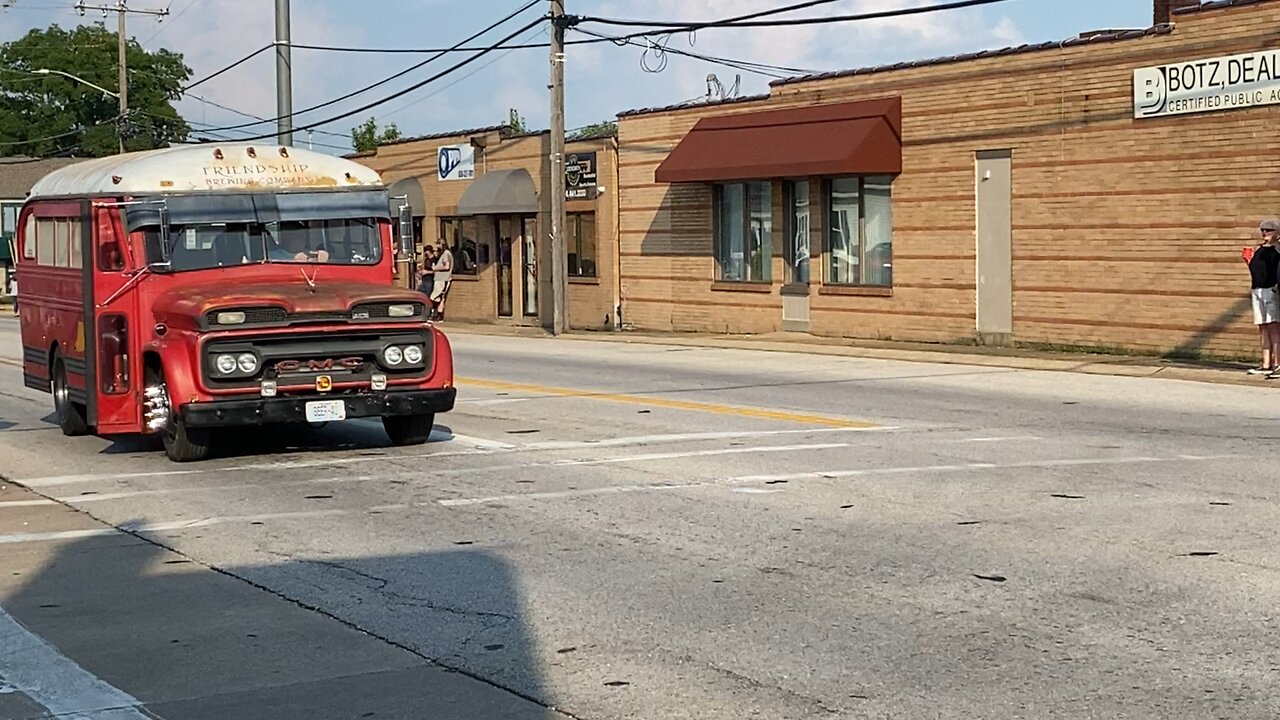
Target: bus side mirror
[
  {"x": 164, "y": 249},
  {"x": 405, "y": 239}
]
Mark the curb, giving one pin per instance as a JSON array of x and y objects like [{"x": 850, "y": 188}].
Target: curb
[{"x": 1114, "y": 365}]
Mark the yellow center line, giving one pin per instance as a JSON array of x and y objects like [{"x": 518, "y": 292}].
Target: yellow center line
[
  {"x": 669, "y": 403},
  {"x": 7, "y": 361}
]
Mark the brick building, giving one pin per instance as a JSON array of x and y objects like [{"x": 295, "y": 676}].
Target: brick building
[
  {"x": 482, "y": 191},
  {"x": 1094, "y": 192}
]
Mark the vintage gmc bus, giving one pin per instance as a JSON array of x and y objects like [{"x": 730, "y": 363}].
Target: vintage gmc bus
[{"x": 182, "y": 290}]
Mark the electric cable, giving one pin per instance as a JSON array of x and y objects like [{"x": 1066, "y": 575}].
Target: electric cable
[
  {"x": 406, "y": 91},
  {"x": 751, "y": 20},
  {"x": 400, "y": 74}
]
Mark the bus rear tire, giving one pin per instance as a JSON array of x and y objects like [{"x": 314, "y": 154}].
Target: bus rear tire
[
  {"x": 409, "y": 429},
  {"x": 71, "y": 418}
]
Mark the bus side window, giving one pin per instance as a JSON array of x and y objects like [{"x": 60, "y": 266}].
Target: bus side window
[{"x": 113, "y": 354}]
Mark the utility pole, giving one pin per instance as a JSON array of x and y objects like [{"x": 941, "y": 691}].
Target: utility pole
[
  {"x": 284, "y": 76},
  {"x": 121, "y": 11},
  {"x": 559, "y": 253}
]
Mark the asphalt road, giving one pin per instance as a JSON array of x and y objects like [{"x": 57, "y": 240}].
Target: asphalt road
[{"x": 619, "y": 530}]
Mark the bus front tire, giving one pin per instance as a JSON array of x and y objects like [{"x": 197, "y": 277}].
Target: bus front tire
[
  {"x": 181, "y": 443},
  {"x": 71, "y": 418},
  {"x": 184, "y": 444},
  {"x": 408, "y": 429}
]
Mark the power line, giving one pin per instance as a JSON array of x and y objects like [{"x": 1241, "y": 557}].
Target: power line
[
  {"x": 400, "y": 74},
  {"x": 662, "y": 26},
  {"x": 661, "y": 50},
  {"x": 232, "y": 66},
  {"x": 406, "y": 91},
  {"x": 411, "y": 51}
]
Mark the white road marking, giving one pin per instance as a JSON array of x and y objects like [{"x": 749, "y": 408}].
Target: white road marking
[
  {"x": 151, "y": 527},
  {"x": 1010, "y": 438},
  {"x": 828, "y": 475},
  {"x": 33, "y": 667},
  {"x": 649, "y": 457},
  {"x": 107, "y": 497},
  {"x": 756, "y": 491},
  {"x": 965, "y": 467},
  {"x": 608, "y": 490},
  {"x": 25, "y": 503}
]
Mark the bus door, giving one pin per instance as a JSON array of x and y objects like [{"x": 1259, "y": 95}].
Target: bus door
[{"x": 115, "y": 339}]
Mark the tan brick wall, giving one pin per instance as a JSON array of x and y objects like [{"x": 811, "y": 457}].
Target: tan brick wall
[
  {"x": 475, "y": 298},
  {"x": 1126, "y": 232}
]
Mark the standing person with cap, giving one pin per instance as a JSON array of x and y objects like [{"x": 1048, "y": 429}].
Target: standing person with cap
[{"x": 1264, "y": 271}]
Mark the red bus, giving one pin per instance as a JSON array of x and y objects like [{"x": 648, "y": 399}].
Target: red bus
[{"x": 179, "y": 291}]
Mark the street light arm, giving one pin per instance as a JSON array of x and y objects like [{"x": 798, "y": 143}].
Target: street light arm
[{"x": 82, "y": 81}]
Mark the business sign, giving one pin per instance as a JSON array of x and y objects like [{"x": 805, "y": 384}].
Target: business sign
[
  {"x": 580, "y": 176},
  {"x": 456, "y": 162},
  {"x": 1213, "y": 84}
]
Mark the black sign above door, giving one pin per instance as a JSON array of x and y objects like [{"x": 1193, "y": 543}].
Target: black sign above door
[{"x": 580, "y": 176}]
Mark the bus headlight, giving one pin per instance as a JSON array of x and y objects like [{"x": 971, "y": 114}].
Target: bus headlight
[
  {"x": 248, "y": 363},
  {"x": 413, "y": 354},
  {"x": 225, "y": 364},
  {"x": 393, "y": 356},
  {"x": 230, "y": 318},
  {"x": 399, "y": 311}
]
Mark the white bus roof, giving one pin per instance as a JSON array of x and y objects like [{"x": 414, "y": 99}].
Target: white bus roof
[{"x": 204, "y": 168}]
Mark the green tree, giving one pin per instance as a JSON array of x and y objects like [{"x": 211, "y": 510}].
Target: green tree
[
  {"x": 35, "y": 108},
  {"x": 367, "y": 137},
  {"x": 516, "y": 122},
  {"x": 594, "y": 130}
]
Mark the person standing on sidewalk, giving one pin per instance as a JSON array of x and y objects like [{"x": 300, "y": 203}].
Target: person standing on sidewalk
[
  {"x": 444, "y": 276},
  {"x": 1264, "y": 271}
]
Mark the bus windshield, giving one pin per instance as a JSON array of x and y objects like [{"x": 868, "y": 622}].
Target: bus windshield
[{"x": 213, "y": 245}]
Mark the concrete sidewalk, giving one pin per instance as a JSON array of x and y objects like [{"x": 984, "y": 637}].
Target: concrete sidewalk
[
  {"x": 95, "y": 622},
  {"x": 1022, "y": 358}
]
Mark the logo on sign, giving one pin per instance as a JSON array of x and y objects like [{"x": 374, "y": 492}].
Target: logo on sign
[
  {"x": 580, "y": 176},
  {"x": 1208, "y": 85},
  {"x": 456, "y": 162}
]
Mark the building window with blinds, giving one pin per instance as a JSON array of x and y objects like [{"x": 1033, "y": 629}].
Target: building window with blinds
[
  {"x": 859, "y": 248},
  {"x": 743, "y": 231},
  {"x": 461, "y": 234}
]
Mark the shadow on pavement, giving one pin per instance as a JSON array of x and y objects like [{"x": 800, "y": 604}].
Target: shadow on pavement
[{"x": 397, "y": 636}]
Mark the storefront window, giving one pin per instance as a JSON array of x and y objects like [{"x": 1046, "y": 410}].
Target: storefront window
[
  {"x": 797, "y": 231},
  {"x": 581, "y": 242},
  {"x": 461, "y": 234},
  {"x": 744, "y": 231},
  {"x": 860, "y": 231}
]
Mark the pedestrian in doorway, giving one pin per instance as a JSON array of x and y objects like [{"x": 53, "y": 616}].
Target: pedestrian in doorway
[
  {"x": 1264, "y": 271},
  {"x": 426, "y": 280},
  {"x": 444, "y": 275}
]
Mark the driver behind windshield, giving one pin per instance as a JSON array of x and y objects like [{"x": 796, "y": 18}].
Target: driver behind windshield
[{"x": 290, "y": 245}]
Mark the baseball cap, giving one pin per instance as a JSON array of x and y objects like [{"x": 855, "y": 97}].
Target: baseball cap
[{"x": 1269, "y": 225}]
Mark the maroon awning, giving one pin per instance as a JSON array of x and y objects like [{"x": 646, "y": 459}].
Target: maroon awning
[{"x": 852, "y": 138}]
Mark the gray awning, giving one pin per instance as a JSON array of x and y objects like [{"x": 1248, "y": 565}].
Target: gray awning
[
  {"x": 500, "y": 192},
  {"x": 411, "y": 189}
]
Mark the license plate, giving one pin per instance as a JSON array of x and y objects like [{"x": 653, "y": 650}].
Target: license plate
[{"x": 326, "y": 410}]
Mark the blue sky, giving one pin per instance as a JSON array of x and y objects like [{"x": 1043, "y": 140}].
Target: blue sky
[{"x": 601, "y": 79}]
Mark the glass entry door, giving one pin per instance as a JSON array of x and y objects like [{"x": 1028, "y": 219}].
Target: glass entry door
[
  {"x": 529, "y": 263},
  {"x": 506, "y": 281}
]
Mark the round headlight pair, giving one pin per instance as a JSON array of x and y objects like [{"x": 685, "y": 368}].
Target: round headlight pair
[
  {"x": 409, "y": 354},
  {"x": 228, "y": 364}
]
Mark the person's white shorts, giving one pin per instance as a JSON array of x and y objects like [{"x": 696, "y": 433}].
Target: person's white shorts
[
  {"x": 440, "y": 288},
  {"x": 1266, "y": 306}
]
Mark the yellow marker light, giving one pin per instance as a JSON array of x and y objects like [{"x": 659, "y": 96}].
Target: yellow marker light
[
  {"x": 230, "y": 318},
  {"x": 324, "y": 383},
  {"x": 401, "y": 311}
]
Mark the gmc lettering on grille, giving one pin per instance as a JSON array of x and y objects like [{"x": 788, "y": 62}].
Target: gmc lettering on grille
[{"x": 292, "y": 366}]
